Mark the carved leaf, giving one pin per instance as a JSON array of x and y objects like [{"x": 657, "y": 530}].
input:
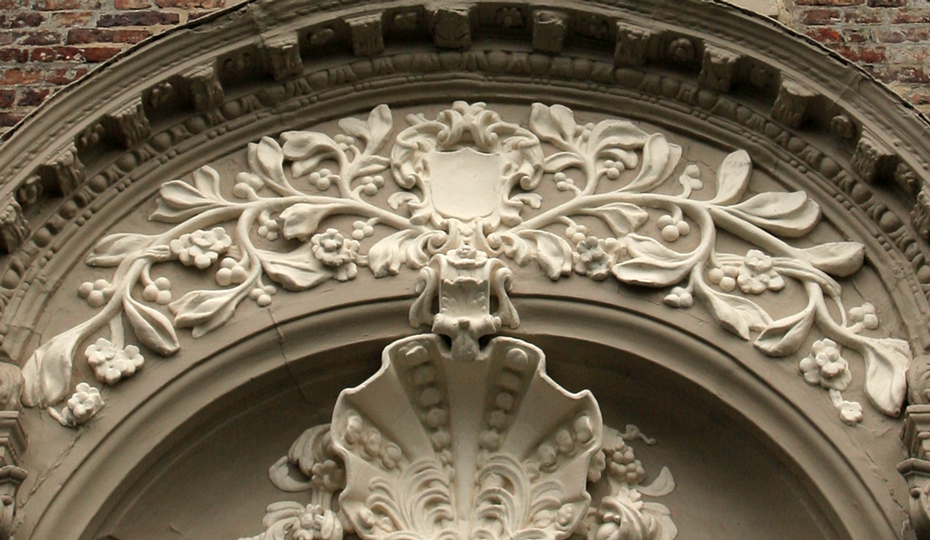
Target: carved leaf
[
  {"x": 114, "y": 248},
  {"x": 267, "y": 159},
  {"x": 179, "y": 201},
  {"x": 204, "y": 311},
  {"x": 785, "y": 336},
  {"x": 623, "y": 218},
  {"x": 556, "y": 123},
  {"x": 151, "y": 327},
  {"x": 403, "y": 247},
  {"x": 886, "y": 363},
  {"x": 377, "y": 127},
  {"x": 733, "y": 177},
  {"x": 562, "y": 160},
  {"x": 659, "y": 160},
  {"x": 661, "y": 486},
  {"x": 207, "y": 181},
  {"x": 652, "y": 264},
  {"x": 295, "y": 271},
  {"x": 735, "y": 313},
  {"x": 785, "y": 214},
  {"x": 287, "y": 477},
  {"x": 47, "y": 373},
  {"x": 307, "y": 149},
  {"x": 302, "y": 220},
  {"x": 615, "y": 134},
  {"x": 840, "y": 259},
  {"x": 553, "y": 253}
]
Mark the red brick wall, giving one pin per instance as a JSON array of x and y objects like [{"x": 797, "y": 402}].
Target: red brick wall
[
  {"x": 45, "y": 44},
  {"x": 889, "y": 38}
]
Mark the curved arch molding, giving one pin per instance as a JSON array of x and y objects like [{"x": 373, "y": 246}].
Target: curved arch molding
[{"x": 679, "y": 198}]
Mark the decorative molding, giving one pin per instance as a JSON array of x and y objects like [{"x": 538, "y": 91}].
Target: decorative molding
[
  {"x": 202, "y": 88},
  {"x": 13, "y": 228},
  {"x": 128, "y": 124},
  {"x": 283, "y": 53},
  {"x": 435, "y": 211},
  {"x": 64, "y": 173},
  {"x": 871, "y": 157},
  {"x": 916, "y": 469}
]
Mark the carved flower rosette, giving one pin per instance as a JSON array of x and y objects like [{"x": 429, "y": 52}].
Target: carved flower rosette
[{"x": 437, "y": 448}]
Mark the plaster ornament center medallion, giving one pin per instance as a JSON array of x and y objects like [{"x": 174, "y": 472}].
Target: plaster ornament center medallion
[{"x": 469, "y": 179}]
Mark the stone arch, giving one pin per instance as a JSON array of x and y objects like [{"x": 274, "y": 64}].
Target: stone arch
[{"x": 838, "y": 165}]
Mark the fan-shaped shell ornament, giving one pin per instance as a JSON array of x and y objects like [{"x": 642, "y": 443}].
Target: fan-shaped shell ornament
[{"x": 438, "y": 448}]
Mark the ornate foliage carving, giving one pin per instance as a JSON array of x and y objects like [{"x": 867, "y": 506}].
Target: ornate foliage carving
[{"x": 470, "y": 178}]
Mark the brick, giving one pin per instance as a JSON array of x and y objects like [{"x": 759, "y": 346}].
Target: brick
[
  {"x": 205, "y": 4},
  {"x": 911, "y": 74},
  {"x": 909, "y": 16},
  {"x": 889, "y": 36},
  {"x": 39, "y": 38},
  {"x": 78, "y": 36},
  {"x": 864, "y": 16},
  {"x": 10, "y": 119},
  {"x": 868, "y": 55},
  {"x": 886, "y": 3},
  {"x": 824, "y": 34},
  {"x": 909, "y": 55},
  {"x": 14, "y": 55},
  {"x": 919, "y": 33},
  {"x": 815, "y": 17},
  {"x": 16, "y": 76},
  {"x": 55, "y": 54},
  {"x": 60, "y": 5},
  {"x": 99, "y": 54},
  {"x": 61, "y": 77},
  {"x": 138, "y": 18},
  {"x": 67, "y": 19},
  {"x": 7, "y": 97},
  {"x": 33, "y": 97},
  {"x": 26, "y": 20},
  {"x": 7, "y": 4},
  {"x": 132, "y": 4}
]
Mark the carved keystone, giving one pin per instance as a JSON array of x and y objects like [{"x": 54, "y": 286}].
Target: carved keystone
[
  {"x": 283, "y": 53},
  {"x": 549, "y": 28},
  {"x": 793, "y": 104},
  {"x": 451, "y": 26},
  {"x": 64, "y": 171},
  {"x": 13, "y": 228},
  {"x": 128, "y": 124},
  {"x": 632, "y": 45},
  {"x": 367, "y": 37},
  {"x": 717, "y": 69},
  {"x": 871, "y": 157},
  {"x": 202, "y": 88}
]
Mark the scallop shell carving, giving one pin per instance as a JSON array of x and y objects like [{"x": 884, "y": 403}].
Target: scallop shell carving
[{"x": 442, "y": 449}]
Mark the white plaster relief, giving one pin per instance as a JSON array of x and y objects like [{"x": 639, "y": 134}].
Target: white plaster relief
[{"x": 611, "y": 171}]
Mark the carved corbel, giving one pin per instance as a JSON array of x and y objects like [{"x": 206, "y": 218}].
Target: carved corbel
[
  {"x": 451, "y": 26},
  {"x": 632, "y": 45},
  {"x": 871, "y": 157},
  {"x": 367, "y": 35},
  {"x": 717, "y": 69},
  {"x": 916, "y": 470},
  {"x": 793, "y": 103},
  {"x": 283, "y": 56},
  {"x": 64, "y": 170},
  {"x": 202, "y": 88},
  {"x": 13, "y": 227},
  {"x": 549, "y": 27},
  {"x": 128, "y": 124}
]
